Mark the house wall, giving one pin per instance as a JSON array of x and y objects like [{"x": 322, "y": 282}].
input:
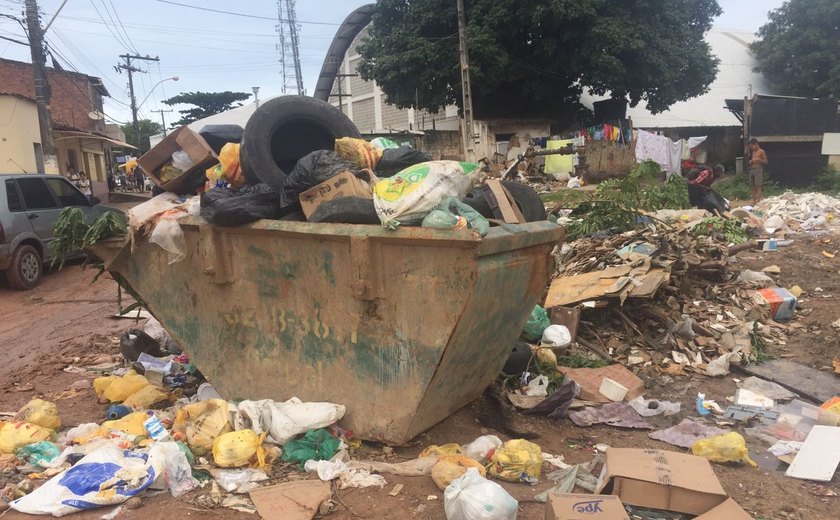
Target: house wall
[
  {"x": 19, "y": 131},
  {"x": 523, "y": 129},
  {"x": 442, "y": 144}
]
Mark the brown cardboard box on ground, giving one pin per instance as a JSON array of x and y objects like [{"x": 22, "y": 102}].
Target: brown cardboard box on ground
[
  {"x": 590, "y": 379},
  {"x": 580, "y": 507},
  {"x": 669, "y": 481},
  {"x": 181, "y": 139},
  {"x": 342, "y": 185}
]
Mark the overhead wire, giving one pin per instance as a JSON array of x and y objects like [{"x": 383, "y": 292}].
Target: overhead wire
[
  {"x": 125, "y": 33},
  {"x": 244, "y": 15},
  {"x": 116, "y": 35}
]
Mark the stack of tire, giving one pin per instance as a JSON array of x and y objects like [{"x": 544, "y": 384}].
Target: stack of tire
[{"x": 286, "y": 128}]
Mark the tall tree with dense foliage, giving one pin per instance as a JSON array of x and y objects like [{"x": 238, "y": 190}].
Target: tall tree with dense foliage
[
  {"x": 799, "y": 48},
  {"x": 535, "y": 57},
  {"x": 147, "y": 128},
  {"x": 205, "y": 104}
]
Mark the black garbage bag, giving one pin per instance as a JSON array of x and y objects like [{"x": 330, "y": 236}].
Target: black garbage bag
[
  {"x": 219, "y": 135},
  {"x": 313, "y": 169},
  {"x": 396, "y": 159},
  {"x": 135, "y": 342},
  {"x": 224, "y": 207}
]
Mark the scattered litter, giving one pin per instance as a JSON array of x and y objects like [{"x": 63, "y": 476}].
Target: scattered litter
[
  {"x": 768, "y": 389},
  {"x": 686, "y": 433},
  {"x": 517, "y": 460},
  {"x": 348, "y": 477},
  {"x": 621, "y": 415},
  {"x": 590, "y": 380},
  {"x": 819, "y": 455},
  {"x": 785, "y": 448},
  {"x": 729, "y": 447},
  {"x": 649, "y": 408},
  {"x": 747, "y": 397},
  {"x": 473, "y": 497},
  {"x": 396, "y": 491},
  {"x": 297, "y": 500}
]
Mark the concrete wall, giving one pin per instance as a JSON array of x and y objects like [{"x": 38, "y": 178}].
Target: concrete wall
[
  {"x": 523, "y": 129},
  {"x": 605, "y": 156},
  {"x": 18, "y": 132},
  {"x": 442, "y": 144}
]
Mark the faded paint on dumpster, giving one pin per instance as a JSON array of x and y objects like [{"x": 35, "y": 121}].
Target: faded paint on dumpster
[{"x": 413, "y": 324}]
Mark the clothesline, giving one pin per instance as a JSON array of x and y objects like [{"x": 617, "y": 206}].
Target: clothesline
[{"x": 669, "y": 154}]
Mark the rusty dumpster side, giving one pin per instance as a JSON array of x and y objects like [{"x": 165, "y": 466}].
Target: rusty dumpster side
[{"x": 403, "y": 327}]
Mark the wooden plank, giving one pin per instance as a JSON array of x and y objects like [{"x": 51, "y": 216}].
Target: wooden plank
[
  {"x": 819, "y": 456},
  {"x": 808, "y": 382}
]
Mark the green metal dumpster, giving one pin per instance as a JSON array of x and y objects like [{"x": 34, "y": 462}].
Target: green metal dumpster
[{"x": 402, "y": 327}]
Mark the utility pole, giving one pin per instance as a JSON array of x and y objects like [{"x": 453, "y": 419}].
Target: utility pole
[
  {"x": 162, "y": 120},
  {"x": 341, "y": 95},
  {"x": 127, "y": 66},
  {"x": 48, "y": 162},
  {"x": 469, "y": 138}
]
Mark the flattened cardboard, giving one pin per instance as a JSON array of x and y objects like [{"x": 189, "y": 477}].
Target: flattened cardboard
[
  {"x": 181, "y": 139},
  {"x": 502, "y": 203},
  {"x": 590, "y": 380},
  {"x": 579, "y": 507},
  {"x": 342, "y": 185},
  {"x": 614, "y": 282},
  {"x": 291, "y": 500},
  {"x": 667, "y": 480}
]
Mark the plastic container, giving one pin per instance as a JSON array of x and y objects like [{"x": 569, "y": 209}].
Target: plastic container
[{"x": 613, "y": 390}]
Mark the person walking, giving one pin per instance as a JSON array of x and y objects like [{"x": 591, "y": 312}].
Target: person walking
[{"x": 758, "y": 160}]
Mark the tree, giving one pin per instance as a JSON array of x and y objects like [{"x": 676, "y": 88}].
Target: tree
[
  {"x": 206, "y": 104},
  {"x": 147, "y": 128},
  {"x": 799, "y": 48},
  {"x": 535, "y": 58}
]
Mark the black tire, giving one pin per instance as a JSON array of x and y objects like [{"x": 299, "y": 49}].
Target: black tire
[
  {"x": 346, "y": 210},
  {"x": 26, "y": 268},
  {"x": 250, "y": 177},
  {"x": 286, "y": 128},
  {"x": 529, "y": 202}
]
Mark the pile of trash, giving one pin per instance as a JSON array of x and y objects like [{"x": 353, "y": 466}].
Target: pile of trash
[
  {"x": 799, "y": 211},
  {"x": 213, "y": 174}
]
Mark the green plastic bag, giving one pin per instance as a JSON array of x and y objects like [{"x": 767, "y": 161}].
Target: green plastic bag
[
  {"x": 445, "y": 216},
  {"x": 315, "y": 445},
  {"x": 535, "y": 326},
  {"x": 383, "y": 143},
  {"x": 40, "y": 453}
]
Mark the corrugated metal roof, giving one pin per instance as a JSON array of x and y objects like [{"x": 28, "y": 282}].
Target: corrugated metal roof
[{"x": 734, "y": 79}]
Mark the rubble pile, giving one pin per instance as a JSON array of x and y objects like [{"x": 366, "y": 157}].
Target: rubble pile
[{"x": 663, "y": 297}]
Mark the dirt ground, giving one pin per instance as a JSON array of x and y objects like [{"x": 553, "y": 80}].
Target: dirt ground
[{"x": 66, "y": 322}]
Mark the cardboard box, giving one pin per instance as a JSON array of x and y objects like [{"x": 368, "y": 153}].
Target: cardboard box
[
  {"x": 590, "y": 380},
  {"x": 181, "y": 139},
  {"x": 581, "y": 507},
  {"x": 342, "y": 185},
  {"x": 669, "y": 481},
  {"x": 780, "y": 302}
]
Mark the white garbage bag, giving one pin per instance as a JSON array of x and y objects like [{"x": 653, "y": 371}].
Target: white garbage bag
[
  {"x": 412, "y": 193},
  {"x": 284, "y": 421},
  {"x": 473, "y": 497},
  {"x": 557, "y": 335},
  {"x": 108, "y": 476}
]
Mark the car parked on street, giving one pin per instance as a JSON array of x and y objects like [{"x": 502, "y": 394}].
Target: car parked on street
[{"x": 29, "y": 207}]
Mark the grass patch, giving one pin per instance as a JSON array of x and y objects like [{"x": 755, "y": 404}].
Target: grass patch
[{"x": 567, "y": 197}]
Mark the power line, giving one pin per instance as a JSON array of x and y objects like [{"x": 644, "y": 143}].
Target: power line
[
  {"x": 125, "y": 33},
  {"x": 117, "y": 36},
  {"x": 240, "y": 14}
]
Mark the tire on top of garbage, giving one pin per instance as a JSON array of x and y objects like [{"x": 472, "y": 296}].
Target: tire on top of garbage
[
  {"x": 529, "y": 202},
  {"x": 286, "y": 128}
]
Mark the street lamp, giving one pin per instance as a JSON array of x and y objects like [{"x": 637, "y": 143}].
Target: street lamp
[{"x": 173, "y": 78}]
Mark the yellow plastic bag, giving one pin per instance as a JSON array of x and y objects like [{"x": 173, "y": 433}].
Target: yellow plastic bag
[
  {"x": 446, "y": 449},
  {"x": 131, "y": 424},
  {"x": 118, "y": 389},
  {"x": 146, "y": 397},
  {"x": 17, "y": 434},
  {"x": 199, "y": 424},
  {"x": 729, "y": 447},
  {"x": 449, "y": 467},
  {"x": 358, "y": 151},
  {"x": 40, "y": 412},
  {"x": 229, "y": 168},
  {"x": 517, "y": 461},
  {"x": 237, "y": 449}
]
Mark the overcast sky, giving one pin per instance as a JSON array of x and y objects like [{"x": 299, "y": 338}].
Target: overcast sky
[{"x": 211, "y": 51}]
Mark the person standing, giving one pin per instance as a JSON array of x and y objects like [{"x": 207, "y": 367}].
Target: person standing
[
  {"x": 84, "y": 185},
  {"x": 758, "y": 160}
]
